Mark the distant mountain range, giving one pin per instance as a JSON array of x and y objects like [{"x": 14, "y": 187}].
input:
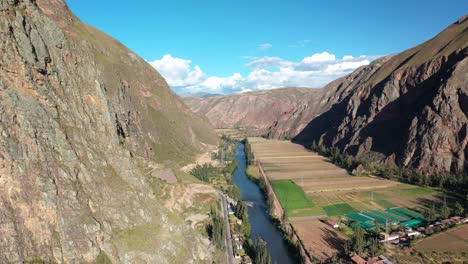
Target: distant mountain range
[
  {"x": 198, "y": 95},
  {"x": 410, "y": 107}
]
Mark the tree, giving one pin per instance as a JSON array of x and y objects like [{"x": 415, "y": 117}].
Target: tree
[
  {"x": 261, "y": 252},
  {"x": 459, "y": 209},
  {"x": 375, "y": 247},
  {"x": 235, "y": 193},
  {"x": 445, "y": 211},
  {"x": 359, "y": 241},
  {"x": 431, "y": 213},
  {"x": 217, "y": 228}
]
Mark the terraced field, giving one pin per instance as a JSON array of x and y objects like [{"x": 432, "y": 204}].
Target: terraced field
[
  {"x": 310, "y": 187},
  {"x": 326, "y": 184}
]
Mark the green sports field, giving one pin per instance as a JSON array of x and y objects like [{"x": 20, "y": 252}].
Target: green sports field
[{"x": 291, "y": 196}]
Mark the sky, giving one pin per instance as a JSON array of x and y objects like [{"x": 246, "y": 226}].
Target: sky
[{"x": 222, "y": 47}]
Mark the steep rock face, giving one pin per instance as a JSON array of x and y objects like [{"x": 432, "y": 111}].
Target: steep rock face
[
  {"x": 84, "y": 121},
  {"x": 412, "y": 107},
  {"x": 258, "y": 112}
]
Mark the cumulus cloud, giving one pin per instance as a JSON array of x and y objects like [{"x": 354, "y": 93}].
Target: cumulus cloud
[
  {"x": 319, "y": 57},
  {"x": 265, "y": 73},
  {"x": 264, "y": 46},
  {"x": 178, "y": 72}
]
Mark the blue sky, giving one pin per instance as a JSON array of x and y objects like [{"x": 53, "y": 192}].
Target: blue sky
[{"x": 233, "y": 46}]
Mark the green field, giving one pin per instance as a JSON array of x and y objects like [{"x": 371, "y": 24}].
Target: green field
[
  {"x": 339, "y": 209},
  {"x": 291, "y": 196},
  {"x": 414, "y": 191}
]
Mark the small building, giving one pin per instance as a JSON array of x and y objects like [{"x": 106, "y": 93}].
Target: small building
[
  {"x": 464, "y": 220},
  {"x": 357, "y": 259},
  {"x": 239, "y": 222},
  {"x": 333, "y": 224},
  {"x": 238, "y": 246},
  {"x": 456, "y": 219},
  {"x": 446, "y": 222},
  {"x": 386, "y": 237},
  {"x": 414, "y": 233}
]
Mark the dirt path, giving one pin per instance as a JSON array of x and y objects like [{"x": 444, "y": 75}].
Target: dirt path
[{"x": 230, "y": 251}]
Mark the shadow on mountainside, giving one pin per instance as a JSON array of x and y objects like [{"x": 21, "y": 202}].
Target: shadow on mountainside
[{"x": 390, "y": 127}]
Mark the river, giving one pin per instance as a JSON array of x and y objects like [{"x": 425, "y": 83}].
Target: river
[{"x": 258, "y": 213}]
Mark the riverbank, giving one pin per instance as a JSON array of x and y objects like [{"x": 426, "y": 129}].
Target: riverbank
[{"x": 259, "y": 217}]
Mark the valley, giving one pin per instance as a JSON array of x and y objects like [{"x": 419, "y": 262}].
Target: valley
[{"x": 280, "y": 153}]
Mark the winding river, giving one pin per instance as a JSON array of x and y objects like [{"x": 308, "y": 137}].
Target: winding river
[{"x": 258, "y": 213}]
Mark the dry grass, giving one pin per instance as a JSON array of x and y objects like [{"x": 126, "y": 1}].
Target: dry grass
[
  {"x": 454, "y": 240},
  {"x": 319, "y": 239}
]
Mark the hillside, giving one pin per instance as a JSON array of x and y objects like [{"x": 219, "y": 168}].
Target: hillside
[
  {"x": 412, "y": 108},
  {"x": 85, "y": 125},
  {"x": 264, "y": 112}
]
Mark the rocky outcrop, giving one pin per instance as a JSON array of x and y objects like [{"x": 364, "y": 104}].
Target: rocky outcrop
[
  {"x": 411, "y": 107},
  {"x": 276, "y": 112},
  {"x": 84, "y": 122}
]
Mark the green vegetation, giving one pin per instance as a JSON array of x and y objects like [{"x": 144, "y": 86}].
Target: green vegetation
[
  {"x": 372, "y": 163},
  {"x": 248, "y": 152},
  {"x": 291, "y": 196},
  {"x": 241, "y": 212},
  {"x": 414, "y": 191},
  {"x": 253, "y": 172},
  {"x": 39, "y": 261},
  {"x": 205, "y": 172},
  {"x": 217, "y": 229},
  {"x": 230, "y": 168},
  {"x": 102, "y": 258},
  {"x": 226, "y": 149},
  {"x": 339, "y": 209},
  {"x": 364, "y": 242},
  {"x": 261, "y": 252}
]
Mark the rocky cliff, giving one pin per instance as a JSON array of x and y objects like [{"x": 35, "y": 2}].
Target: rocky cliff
[
  {"x": 275, "y": 112},
  {"x": 85, "y": 125},
  {"x": 411, "y": 107}
]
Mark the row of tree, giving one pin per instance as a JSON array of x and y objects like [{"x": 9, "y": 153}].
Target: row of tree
[
  {"x": 372, "y": 163},
  {"x": 241, "y": 211},
  {"x": 248, "y": 152},
  {"x": 444, "y": 210},
  {"x": 217, "y": 229}
]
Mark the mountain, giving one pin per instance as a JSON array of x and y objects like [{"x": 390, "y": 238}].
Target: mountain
[
  {"x": 261, "y": 112},
  {"x": 198, "y": 95},
  {"x": 411, "y": 108},
  {"x": 86, "y": 128}
]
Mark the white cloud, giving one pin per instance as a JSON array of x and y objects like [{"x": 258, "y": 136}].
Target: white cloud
[
  {"x": 177, "y": 71},
  {"x": 264, "y": 46},
  {"x": 320, "y": 57},
  {"x": 266, "y": 72}
]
